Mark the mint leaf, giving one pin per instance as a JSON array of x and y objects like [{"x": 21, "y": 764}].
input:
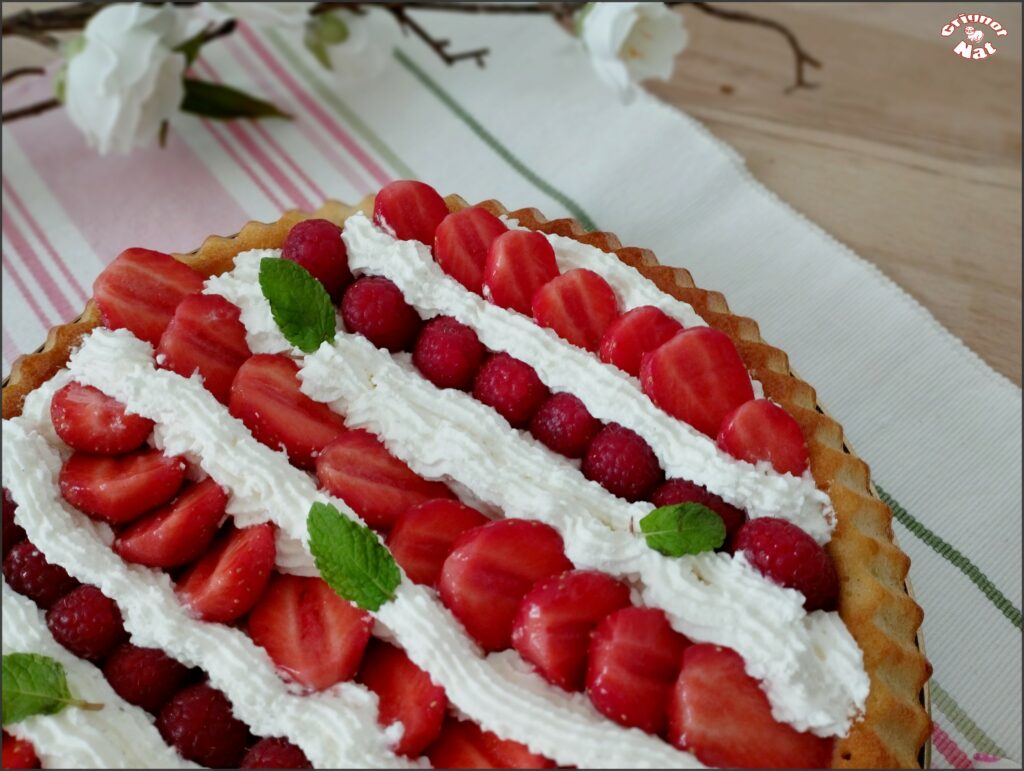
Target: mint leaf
[
  {"x": 301, "y": 306},
  {"x": 35, "y": 685},
  {"x": 215, "y": 100},
  {"x": 350, "y": 558},
  {"x": 684, "y": 528}
]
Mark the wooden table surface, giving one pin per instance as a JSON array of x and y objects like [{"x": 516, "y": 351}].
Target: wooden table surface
[{"x": 905, "y": 152}]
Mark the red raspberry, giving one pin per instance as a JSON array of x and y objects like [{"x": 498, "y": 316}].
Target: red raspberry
[
  {"x": 27, "y": 572},
  {"x": 18, "y": 753},
  {"x": 511, "y": 387},
  {"x": 87, "y": 623},
  {"x": 565, "y": 425},
  {"x": 790, "y": 557},
  {"x": 448, "y": 353},
  {"x": 316, "y": 245},
  {"x": 146, "y": 677},
  {"x": 12, "y": 533},
  {"x": 622, "y": 463},
  {"x": 684, "y": 491},
  {"x": 275, "y": 753},
  {"x": 198, "y": 722},
  {"x": 374, "y": 307}
]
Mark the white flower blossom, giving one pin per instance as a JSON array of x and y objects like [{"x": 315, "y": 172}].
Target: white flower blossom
[
  {"x": 366, "y": 49},
  {"x": 263, "y": 14},
  {"x": 629, "y": 42}
]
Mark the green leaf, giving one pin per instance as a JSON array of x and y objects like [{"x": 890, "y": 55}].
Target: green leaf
[
  {"x": 581, "y": 16},
  {"x": 684, "y": 528},
  {"x": 318, "y": 48},
  {"x": 350, "y": 558},
  {"x": 322, "y": 31},
  {"x": 191, "y": 46},
  {"x": 35, "y": 685},
  {"x": 300, "y": 304},
  {"x": 215, "y": 100}
]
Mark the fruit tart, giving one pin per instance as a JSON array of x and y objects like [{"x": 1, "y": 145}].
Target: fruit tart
[{"x": 423, "y": 483}]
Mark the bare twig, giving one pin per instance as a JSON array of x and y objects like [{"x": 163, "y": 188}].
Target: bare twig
[
  {"x": 440, "y": 47},
  {"x": 21, "y": 71},
  {"x": 32, "y": 109}
]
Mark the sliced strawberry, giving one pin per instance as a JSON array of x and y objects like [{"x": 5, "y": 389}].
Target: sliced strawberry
[
  {"x": 490, "y": 570},
  {"x": 579, "y": 306},
  {"x": 314, "y": 636},
  {"x": 406, "y": 695},
  {"x": 759, "y": 430},
  {"x": 205, "y": 336},
  {"x": 89, "y": 420},
  {"x": 465, "y": 745},
  {"x": 720, "y": 714},
  {"x": 555, "y": 619},
  {"x": 410, "y": 210},
  {"x": 120, "y": 489},
  {"x": 635, "y": 657},
  {"x": 519, "y": 263},
  {"x": 230, "y": 578},
  {"x": 140, "y": 289},
  {"x": 635, "y": 333},
  {"x": 698, "y": 377},
  {"x": 177, "y": 533},
  {"x": 461, "y": 244},
  {"x": 424, "y": 534},
  {"x": 266, "y": 397}
]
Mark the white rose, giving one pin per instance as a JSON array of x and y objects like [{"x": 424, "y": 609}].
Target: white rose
[
  {"x": 126, "y": 78},
  {"x": 366, "y": 48},
  {"x": 265, "y": 14},
  {"x": 629, "y": 42}
]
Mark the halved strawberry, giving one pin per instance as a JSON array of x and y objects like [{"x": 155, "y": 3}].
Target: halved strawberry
[
  {"x": 579, "y": 306},
  {"x": 176, "y": 533},
  {"x": 461, "y": 244},
  {"x": 205, "y": 335},
  {"x": 465, "y": 745},
  {"x": 406, "y": 695},
  {"x": 698, "y": 377},
  {"x": 265, "y": 395},
  {"x": 409, "y": 209},
  {"x": 120, "y": 489},
  {"x": 720, "y": 714},
  {"x": 635, "y": 333},
  {"x": 555, "y": 619},
  {"x": 314, "y": 636},
  {"x": 230, "y": 578},
  {"x": 635, "y": 657},
  {"x": 759, "y": 430},
  {"x": 89, "y": 420},
  {"x": 140, "y": 289},
  {"x": 519, "y": 263},
  {"x": 357, "y": 468},
  {"x": 490, "y": 570},
  {"x": 424, "y": 534}
]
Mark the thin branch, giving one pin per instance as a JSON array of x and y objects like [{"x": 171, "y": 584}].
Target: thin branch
[
  {"x": 440, "y": 47},
  {"x": 489, "y": 8},
  {"x": 20, "y": 71},
  {"x": 32, "y": 109},
  {"x": 32, "y": 23}
]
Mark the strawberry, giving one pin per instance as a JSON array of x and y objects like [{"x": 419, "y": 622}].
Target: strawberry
[
  {"x": 490, "y": 570},
  {"x": 205, "y": 336},
  {"x": 623, "y": 463},
  {"x": 275, "y": 753},
  {"x": 683, "y": 491},
  {"x": 634, "y": 661},
  {"x": 511, "y": 387},
  {"x": 448, "y": 353},
  {"x": 145, "y": 677},
  {"x": 178, "y": 532},
  {"x": 28, "y": 572},
  {"x": 230, "y": 578},
  {"x": 635, "y": 333},
  {"x": 564, "y": 425},
  {"x": 462, "y": 242},
  {"x": 87, "y": 623},
  {"x": 406, "y": 695},
  {"x": 12, "y": 532},
  {"x": 316, "y": 245},
  {"x": 118, "y": 490},
  {"x": 315, "y": 637},
  {"x": 378, "y": 487},
  {"x": 579, "y": 306},
  {"x": 89, "y": 420},
  {"x": 18, "y": 753},
  {"x": 759, "y": 430},
  {"x": 698, "y": 377},
  {"x": 720, "y": 714},
  {"x": 409, "y": 210},
  {"x": 424, "y": 534},
  {"x": 376, "y": 309},
  {"x": 555, "y": 620},
  {"x": 199, "y": 724},
  {"x": 465, "y": 745},
  {"x": 265, "y": 395},
  {"x": 140, "y": 289},
  {"x": 519, "y": 263}
]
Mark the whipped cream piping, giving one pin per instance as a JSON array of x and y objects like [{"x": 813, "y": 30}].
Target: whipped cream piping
[
  {"x": 120, "y": 735},
  {"x": 608, "y": 393}
]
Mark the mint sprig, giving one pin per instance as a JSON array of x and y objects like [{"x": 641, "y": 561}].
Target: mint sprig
[
  {"x": 301, "y": 306},
  {"x": 683, "y": 528},
  {"x": 36, "y": 685},
  {"x": 350, "y": 558}
]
